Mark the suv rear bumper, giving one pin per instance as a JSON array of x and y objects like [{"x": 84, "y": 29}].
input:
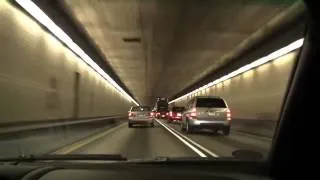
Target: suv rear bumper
[
  {"x": 208, "y": 124},
  {"x": 178, "y": 118},
  {"x": 161, "y": 116},
  {"x": 142, "y": 121}
]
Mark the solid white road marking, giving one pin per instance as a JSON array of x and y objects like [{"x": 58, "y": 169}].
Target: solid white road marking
[
  {"x": 188, "y": 139},
  {"x": 196, "y": 144},
  {"x": 182, "y": 140}
]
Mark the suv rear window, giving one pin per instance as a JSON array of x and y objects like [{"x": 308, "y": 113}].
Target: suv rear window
[
  {"x": 162, "y": 103},
  {"x": 177, "y": 109},
  {"x": 161, "y": 109},
  {"x": 210, "y": 102},
  {"x": 141, "y": 108}
]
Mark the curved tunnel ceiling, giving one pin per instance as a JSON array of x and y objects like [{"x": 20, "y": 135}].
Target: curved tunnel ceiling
[{"x": 158, "y": 48}]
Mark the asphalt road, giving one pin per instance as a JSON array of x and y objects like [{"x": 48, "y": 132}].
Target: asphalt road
[
  {"x": 47, "y": 140},
  {"x": 165, "y": 140},
  {"x": 137, "y": 142},
  {"x": 223, "y": 146}
]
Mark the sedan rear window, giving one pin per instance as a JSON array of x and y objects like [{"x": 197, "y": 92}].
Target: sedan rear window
[{"x": 210, "y": 102}]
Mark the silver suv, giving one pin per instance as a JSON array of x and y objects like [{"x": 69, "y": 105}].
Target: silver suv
[
  {"x": 140, "y": 115},
  {"x": 206, "y": 112}
]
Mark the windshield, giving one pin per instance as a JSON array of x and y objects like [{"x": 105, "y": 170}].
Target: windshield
[{"x": 145, "y": 79}]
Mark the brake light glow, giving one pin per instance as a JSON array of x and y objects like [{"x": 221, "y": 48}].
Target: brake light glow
[
  {"x": 228, "y": 115},
  {"x": 193, "y": 113},
  {"x": 170, "y": 114},
  {"x": 167, "y": 114},
  {"x": 151, "y": 114},
  {"x": 179, "y": 114}
]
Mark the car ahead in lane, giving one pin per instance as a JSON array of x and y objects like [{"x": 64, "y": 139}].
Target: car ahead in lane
[
  {"x": 140, "y": 115},
  {"x": 175, "y": 114},
  {"x": 161, "y": 107},
  {"x": 206, "y": 112},
  {"x": 162, "y": 113}
]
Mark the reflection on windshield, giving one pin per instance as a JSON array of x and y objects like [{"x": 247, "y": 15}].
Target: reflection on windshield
[{"x": 219, "y": 93}]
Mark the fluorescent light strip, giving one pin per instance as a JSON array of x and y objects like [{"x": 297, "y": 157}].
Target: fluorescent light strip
[
  {"x": 42, "y": 18},
  {"x": 276, "y": 54}
]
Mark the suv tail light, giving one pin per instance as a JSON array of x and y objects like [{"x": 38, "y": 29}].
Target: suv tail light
[
  {"x": 228, "y": 114},
  {"x": 193, "y": 113},
  {"x": 131, "y": 114}
]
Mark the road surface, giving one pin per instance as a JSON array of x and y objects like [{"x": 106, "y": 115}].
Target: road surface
[{"x": 165, "y": 140}]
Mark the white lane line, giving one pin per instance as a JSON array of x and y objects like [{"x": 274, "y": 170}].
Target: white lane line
[
  {"x": 191, "y": 141},
  {"x": 182, "y": 140},
  {"x": 196, "y": 144},
  {"x": 77, "y": 145}
]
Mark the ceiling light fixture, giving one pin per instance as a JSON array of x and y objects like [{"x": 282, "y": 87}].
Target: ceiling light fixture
[
  {"x": 43, "y": 19},
  {"x": 276, "y": 54}
]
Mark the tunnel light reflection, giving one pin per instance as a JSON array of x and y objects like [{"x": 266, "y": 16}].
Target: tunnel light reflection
[
  {"x": 42, "y": 18},
  {"x": 272, "y": 56}
]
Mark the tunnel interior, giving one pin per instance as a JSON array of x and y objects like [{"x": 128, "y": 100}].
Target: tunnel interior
[
  {"x": 97, "y": 58},
  {"x": 180, "y": 42}
]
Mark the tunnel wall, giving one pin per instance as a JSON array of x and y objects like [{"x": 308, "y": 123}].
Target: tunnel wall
[
  {"x": 255, "y": 97},
  {"x": 38, "y": 76}
]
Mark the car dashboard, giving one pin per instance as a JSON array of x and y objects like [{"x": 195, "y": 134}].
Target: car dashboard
[{"x": 146, "y": 170}]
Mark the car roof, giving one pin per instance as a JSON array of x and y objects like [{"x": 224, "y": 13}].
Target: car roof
[
  {"x": 218, "y": 97},
  {"x": 140, "y": 107},
  {"x": 215, "y": 97}
]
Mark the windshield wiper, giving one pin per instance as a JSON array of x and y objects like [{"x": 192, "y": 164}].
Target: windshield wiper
[{"x": 89, "y": 157}]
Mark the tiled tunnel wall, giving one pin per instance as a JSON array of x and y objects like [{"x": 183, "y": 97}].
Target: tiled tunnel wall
[
  {"x": 38, "y": 76},
  {"x": 256, "y": 94}
]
